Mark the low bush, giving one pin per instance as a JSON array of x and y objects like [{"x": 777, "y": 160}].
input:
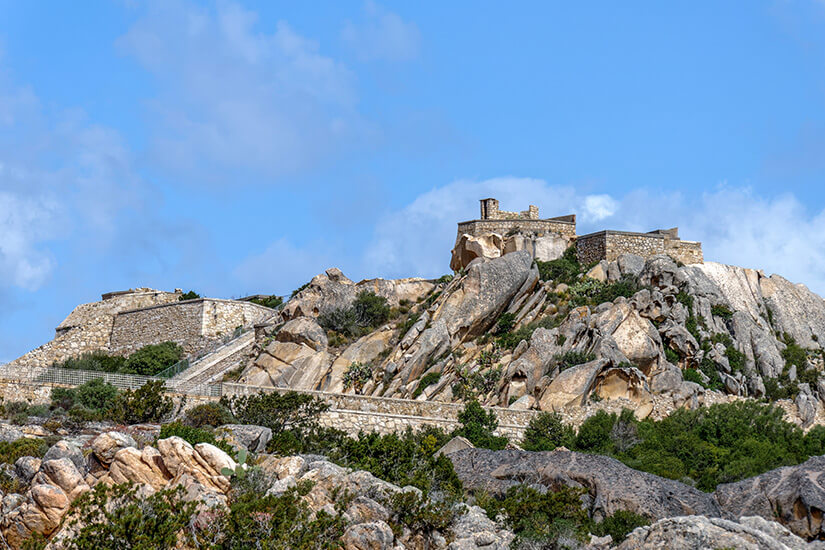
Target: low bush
[
  {"x": 573, "y": 358},
  {"x": 147, "y": 404},
  {"x": 619, "y": 525},
  {"x": 190, "y": 295},
  {"x": 593, "y": 292},
  {"x": 478, "y": 425},
  {"x": 152, "y": 359},
  {"x": 10, "y": 451},
  {"x": 426, "y": 381},
  {"x": 721, "y": 310},
  {"x": 273, "y": 301},
  {"x": 94, "y": 361},
  {"x": 96, "y": 397},
  {"x": 546, "y": 432},
  {"x": 356, "y": 375},
  {"x": 563, "y": 270},
  {"x": 208, "y": 414}
]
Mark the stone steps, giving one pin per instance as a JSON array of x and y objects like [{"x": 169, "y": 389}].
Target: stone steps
[{"x": 210, "y": 366}]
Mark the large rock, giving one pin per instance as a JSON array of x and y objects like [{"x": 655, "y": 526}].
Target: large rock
[
  {"x": 636, "y": 337},
  {"x": 375, "y": 535},
  {"x": 611, "y": 485},
  {"x": 287, "y": 364},
  {"x": 303, "y": 330},
  {"x": 145, "y": 467},
  {"x": 468, "y": 247},
  {"x": 699, "y": 532},
  {"x": 106, "y": 445},
  {"x": 365, "y": 350},
  {"x": 793, "y": 495},
  {"x": 475, "y": 531},
  {"x": 245, "y": 436},
  {"x": 572, "y": 386}
]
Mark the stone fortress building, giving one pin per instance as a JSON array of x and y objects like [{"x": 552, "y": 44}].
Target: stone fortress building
[
  {"x": 122, "y": 322},
  {"x": 499, "y": 232}
]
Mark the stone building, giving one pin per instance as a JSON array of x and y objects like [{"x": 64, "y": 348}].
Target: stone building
[
  {"x": 122, "y": 322},
  {"x": 499, "y": 232}
]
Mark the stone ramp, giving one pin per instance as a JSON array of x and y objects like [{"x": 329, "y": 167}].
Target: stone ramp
[{"x": 214, "y": 364}]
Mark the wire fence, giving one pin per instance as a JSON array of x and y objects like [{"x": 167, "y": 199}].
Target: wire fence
[{"x": 70, "y": 377}]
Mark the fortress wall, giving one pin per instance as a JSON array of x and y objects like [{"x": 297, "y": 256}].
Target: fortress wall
[
  {"x": 687, "y": 252},
  {"x": 222, "y": 317},
  {"x": 591, "y": 248},
  {"x": 181, "y": 322},
  {"x": 502, "y": 227},
  {"x": 643, "y": 245},
  {"x": 89, "y": 327}
]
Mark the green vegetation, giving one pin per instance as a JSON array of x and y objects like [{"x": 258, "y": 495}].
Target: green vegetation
[
  {"x": 593, "y": 292},
  {"x": 478, "y": 426},
  {"x": 367, "y": 312},
  {"x": 147, "y": 361},
  {"x": 783, "y": 387},
  {"x": 671, "y": 356},
  {"x": 191, "y": 295},
  {"x": 571, "y": 359},
  {"x": 299, "y": 289},
  {"x": 273, "y": 301},
  {"x": 509, "y": 340},
  {"x": 546, "y": 432},
  {"x": 722, "y": 311},
  {"x": 426, "y": 381},
  {"x": 619, "y": 525},
  {"x": 10, "y": 451},
  {"x": 708, "y": 446},
  {"x": 563, "y": 270},
  {"x": 356, "y": 375},
  {"x": 208, "y": 414},
  {"x": 469, "y": 385},
  {"x": 98, "y": 400}
]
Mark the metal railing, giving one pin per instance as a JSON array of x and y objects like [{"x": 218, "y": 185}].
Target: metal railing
[
  {"x": 71, "y": 377},
  {"x": 184, "y": 364}
]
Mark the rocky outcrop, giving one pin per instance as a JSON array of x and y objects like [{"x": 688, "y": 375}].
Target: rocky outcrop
[
  {"x": 793, "y": 495},
  {"x": 333, "y": 290},
  {"x": 694, "y": 532},
  {"x": 492, "y": 245},
  {"x": 468, "y": 248},
  {"x": 610, "y": 485}
]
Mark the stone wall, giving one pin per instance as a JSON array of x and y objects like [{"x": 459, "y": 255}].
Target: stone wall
[
  {"x": 478, "y": 228},
  {"x": 609, "y": 245},
  {"x": 89, "y": 326},
  {"x": 193, "y": 324}
]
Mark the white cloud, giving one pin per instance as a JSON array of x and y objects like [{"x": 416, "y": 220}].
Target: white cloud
[
  {"x": 598, "y": 207},
  {"x": 235, "y": 100},
  {"x": 24, "y": 223},
  {"x": 383, "y": 35}
]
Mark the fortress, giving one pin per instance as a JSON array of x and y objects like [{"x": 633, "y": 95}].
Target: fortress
[{"x": 509, "y": 231}]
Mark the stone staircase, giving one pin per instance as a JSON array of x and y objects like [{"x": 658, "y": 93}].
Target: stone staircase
[{"x": 209, "y": 368}]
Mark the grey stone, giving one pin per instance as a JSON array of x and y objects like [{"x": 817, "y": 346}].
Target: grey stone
[
  {"x": 250, "y": 437},
  {"x": 303, "y": 330},
  {"x": 630, "y": 264}
]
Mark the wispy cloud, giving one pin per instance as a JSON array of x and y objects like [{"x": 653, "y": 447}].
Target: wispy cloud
[
  {"x": 382, "y": 35},
  {"x": 237, "y": 102}
]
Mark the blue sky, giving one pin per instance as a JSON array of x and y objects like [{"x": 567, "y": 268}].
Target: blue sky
[{"x": 237, "y": 148}]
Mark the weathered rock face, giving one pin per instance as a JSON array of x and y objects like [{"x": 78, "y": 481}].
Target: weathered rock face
[
  {"x": 468, "y": 248},
  {"x": 245, "y": 436},
  {"x": 364, "y": 351},
  {"x": 286, "y": 364},
  {"x": 795, "y": 495},
  {"x": 492, "y": 245},
  {"x": 303, "y": 330},
  {"x": 610, "y": 484},
  {"x": 333, "y": 290},
  {"x": 694, "y": 532}
]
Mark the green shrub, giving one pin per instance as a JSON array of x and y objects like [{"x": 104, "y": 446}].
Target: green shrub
[
  {"x": 478, "y": 425},
  {"x": 356, "y": 375},
  {"x": 541, "y": 517},
  {"x": 273, "y": 301},
  {"x": 152, "y": 359},
  {"x": 594, "y": 433},
  {"x": 672, "y": 356},
  {"x": 573, "y": 358},
  {"x": 419, "y": 514},
  {"x": 686, "y": 300},
  {"x": 116, "y": 518},
  {"x": 563, "y": 270},
  {"x": 505, "y": 323},
  {"x": 96, "y": 397},
  {"x": 342, "y": 320},
  {"x": 94, "y": 361},
  {"x": 594, "y": 292},
  {"x": 194, "y": 436},
  {"x": 370, "y": 309},
  {"x": 412, "y": 319},
  {"x": 208, "y": 414},
  {"x": 546, "y": 432},
  {"x": 619, "y": 524},
  {"x": 736, "y": 359},
  {"x": 10, "y": 451},
  {"x": 426, "y": 381},
  {"x": 692, "y": 375},
  {"x": 147, "y": 404},
  {"x": 191, "y": 295},
  {"x": 722, "y": 311}
]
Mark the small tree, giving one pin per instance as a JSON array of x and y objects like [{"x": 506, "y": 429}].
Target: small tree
[
  {"x": 546, "y": 432},
  {"x": 478, "y": 425},
  {"x": 191, "y": 295},
  {"x": 152, "y": 359}
]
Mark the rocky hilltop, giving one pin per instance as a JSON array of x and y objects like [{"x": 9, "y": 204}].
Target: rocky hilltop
[{"x": 650, "y": 333}]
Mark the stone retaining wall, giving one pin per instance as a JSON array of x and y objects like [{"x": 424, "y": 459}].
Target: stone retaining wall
[{"x": 609, "y": 245}]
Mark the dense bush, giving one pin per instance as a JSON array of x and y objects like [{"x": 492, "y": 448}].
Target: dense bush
[
  {"x": 96, "y": 396},
  {"x": 594, "y": 292},
  {"x": 208, "y": 414},
  {"x": 708, "y": 446},
  {"x": 619, "y": 525},
  {"x": 563, "y": 270},
  {"x": 426, "y": 381},
  {"x": 190, "y": 295},
  {"x": 146, "y": 404},
  {"x": 510, "y": 340},
  {"x": 10, "y": 451},
  {"x": 370, "y": 309},
  {"x": 356, "y": 375},
  {"x": 293, "y": 417},
  {"x": 115, "y": 518},
  {"x": 478, "y": 425},
  {"x": 546, "y": 432},
  {"x": 94, "y": 361},
  {"x": 273, "y": 301},
  {"x": 572, "y": 358},
  {"x": 152, "y": 359}
]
